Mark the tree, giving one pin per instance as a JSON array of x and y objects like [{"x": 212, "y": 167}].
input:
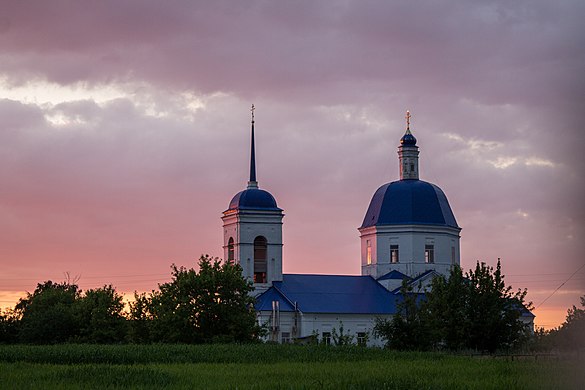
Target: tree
[
  {"x": 494, "y": 310},
  {"x": 477, "y": 311},
  {"x": 140, "y": 319},
  {"x": 9, "y": 326},
  {"x": 446, "y": 310},
  {"x": 408, "y": 329},
  {"x": 341, "y": 337},
  {"x": 99, "y": 313},
  {"x": 47, "y": 315},
  {"x": 226, "y": 311},
  {"x": 199, "y": 307},
  {"x": 59, "y": 312},
  {"x": 571, "y": 334}
]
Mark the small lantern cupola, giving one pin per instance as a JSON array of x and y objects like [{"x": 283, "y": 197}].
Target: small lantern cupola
[{"x": 408, "y": 154}]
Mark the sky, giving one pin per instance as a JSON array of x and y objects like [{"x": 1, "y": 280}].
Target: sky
[{"x": 124, "y": 132}]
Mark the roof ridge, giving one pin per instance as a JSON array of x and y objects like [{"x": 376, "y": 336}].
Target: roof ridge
[
  {"x": 353, "y": 276},
  {"x": 293, "y": 304}
]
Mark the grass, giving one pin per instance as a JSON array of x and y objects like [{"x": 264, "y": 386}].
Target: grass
[{"x": 270, "y": 367}]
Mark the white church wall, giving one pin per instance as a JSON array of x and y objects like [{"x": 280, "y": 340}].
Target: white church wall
[
  {"x": 244, "y": 227},
  {"x": 285, "y": 326},
  {"x": 230, "y": 231},
  {"x": 411, "y": 241},
  {"x": 528, "y": 321},
  {"x": 316, "y": 324}
]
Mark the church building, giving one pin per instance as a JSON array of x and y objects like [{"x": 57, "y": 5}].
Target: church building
[
  {"x": 409, "y": 226},
  {"x": 409, "y": 232}
]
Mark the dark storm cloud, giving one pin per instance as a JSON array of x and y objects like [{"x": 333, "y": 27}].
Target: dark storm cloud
[{"x": 493, "y": 51}]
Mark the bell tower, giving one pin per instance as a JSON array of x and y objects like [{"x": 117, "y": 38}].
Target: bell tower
[{"x": 252, "y": 230}]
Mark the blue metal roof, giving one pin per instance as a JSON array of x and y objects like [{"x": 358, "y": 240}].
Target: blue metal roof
[
  {"x": 409, "y": 202},
  {"x": 524, "y": 312},
  {"x": 264, "y": 301},
  {"x": 424, "y": 275},
  {"x": 413, "y": 282},
  {"x": 329, "y": 294},
  {"x": 394, "y": 275},
  {"x": 254, "y": 199}
]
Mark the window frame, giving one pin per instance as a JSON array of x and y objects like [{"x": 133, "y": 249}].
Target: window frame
[
  {"x": 361, "y": 338},
  {"x": 394, "y": 250},
  {"x": 429, "y": 253},
  {"x": 326, "y": 338}
]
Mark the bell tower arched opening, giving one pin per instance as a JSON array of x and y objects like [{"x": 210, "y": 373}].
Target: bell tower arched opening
[
  {"x": 260, "y": 259},
  {"x": 231, "y": 250}
]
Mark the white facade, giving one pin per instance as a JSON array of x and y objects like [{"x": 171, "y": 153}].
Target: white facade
[
  {"x": 285, "y": 327},
  {"x": 244, "y": 227},
  {"x": 407, "y": 249}
]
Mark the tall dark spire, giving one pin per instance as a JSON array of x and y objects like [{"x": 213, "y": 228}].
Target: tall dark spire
[{"x": 252, "y": 183}]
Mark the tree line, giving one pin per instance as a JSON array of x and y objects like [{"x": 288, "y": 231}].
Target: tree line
[
  {"x": 471, "y": 311},
  {"x": 212, "y": 304},
  {"x": 569, "y": 336},
  {"x": 474, "y": 311}
]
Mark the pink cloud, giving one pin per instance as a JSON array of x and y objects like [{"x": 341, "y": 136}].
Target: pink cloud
[{"x": 129, "y": 185}]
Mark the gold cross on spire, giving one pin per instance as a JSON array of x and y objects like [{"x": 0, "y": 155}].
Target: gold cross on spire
[
  {"x": 407, "y": 120},
  {"x": 252, "y": 110}
]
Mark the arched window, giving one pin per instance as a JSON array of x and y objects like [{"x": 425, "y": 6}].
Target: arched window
[
  {"x": 260, "y": 254},
  {"x": 231, "y": 250}
]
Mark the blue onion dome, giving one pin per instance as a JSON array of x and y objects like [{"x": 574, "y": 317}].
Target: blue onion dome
[
  {"x": 408, "y": 139},
  {"x": 409, "y": 202},
  {"x": 253, "y": 199}
]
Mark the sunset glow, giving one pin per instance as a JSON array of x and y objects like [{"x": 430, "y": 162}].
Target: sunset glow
[{"x": 124, "y": 133}]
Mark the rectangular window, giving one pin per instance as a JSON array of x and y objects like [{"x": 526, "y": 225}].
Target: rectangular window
[
  {"x": 452, "y": 255},
  {"x": 394, "y": 258},
  {"x": 362, "y": 338},
  {"x": 429, "y": 253},
  {"x": 368, "y": 252},
  {"x": 326, "y": 338},
  {"x": 285, "y": 337}
]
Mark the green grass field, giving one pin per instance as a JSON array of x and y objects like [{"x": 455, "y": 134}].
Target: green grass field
[{"x": 272, "y": 367}]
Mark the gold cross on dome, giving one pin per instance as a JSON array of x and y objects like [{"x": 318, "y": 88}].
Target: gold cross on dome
[
  {"x": 252, "y": 110},
  {"x": 407, "y": 119}
]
